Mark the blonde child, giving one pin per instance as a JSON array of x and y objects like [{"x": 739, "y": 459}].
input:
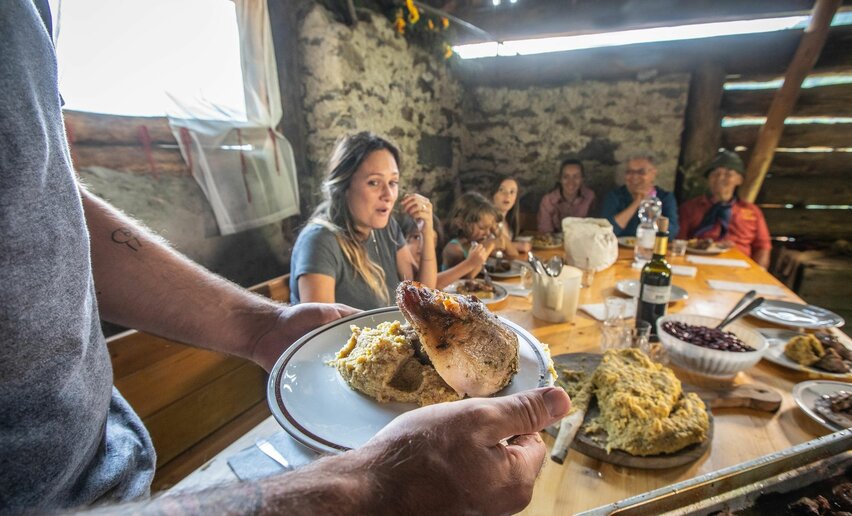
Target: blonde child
[{"x": 472, "y": 228}]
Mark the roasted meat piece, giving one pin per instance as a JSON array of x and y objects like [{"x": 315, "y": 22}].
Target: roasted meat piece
[
  {"x": 471, "y": 349},
  {"x": 830, "y": 341},
  {"x": 831, "y": 362}
]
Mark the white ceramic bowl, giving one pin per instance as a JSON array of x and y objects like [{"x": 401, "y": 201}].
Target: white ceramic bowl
[{"x": 708, "y": 361}]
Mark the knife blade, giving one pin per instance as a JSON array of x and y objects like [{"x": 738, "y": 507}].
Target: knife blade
[{"x": 269, "y": 450}]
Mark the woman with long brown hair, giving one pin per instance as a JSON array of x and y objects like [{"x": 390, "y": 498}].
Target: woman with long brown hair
[{"x": 353, "y": 251}]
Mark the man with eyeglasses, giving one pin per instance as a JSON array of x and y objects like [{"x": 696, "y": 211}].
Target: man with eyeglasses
[{"x": 621, "y": 205}]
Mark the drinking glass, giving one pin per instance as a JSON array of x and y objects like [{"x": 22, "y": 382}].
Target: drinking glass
[
  {"x": 678, "y": 247},
  {"x": 639, "y": 335},
  {"x": 613, "y": 328},
  {"x": 588, "y": 275},
  {"x": 526, "y": 276}
]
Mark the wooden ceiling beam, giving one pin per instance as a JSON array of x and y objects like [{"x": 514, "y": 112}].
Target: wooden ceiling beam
[{"x": 784, "y": 101}]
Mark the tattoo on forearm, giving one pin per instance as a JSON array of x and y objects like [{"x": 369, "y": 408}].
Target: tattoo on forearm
[{"x": 126, "y": 237}]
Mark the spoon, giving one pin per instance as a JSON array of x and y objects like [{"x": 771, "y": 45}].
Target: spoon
[
  {"x": 731, "y": 318},
  {"x": 743, "y": 300},
  {"x": 554, "y": 266},
  {"x": 535, "y": 263}
]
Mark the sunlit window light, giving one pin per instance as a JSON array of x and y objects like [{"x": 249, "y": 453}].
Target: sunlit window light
[
  {"x": 636, "y": 36},
  {"x": 790, "y": 120},
  {"x": 810, "y": 82},
  {"x": 128, "y": 57}
]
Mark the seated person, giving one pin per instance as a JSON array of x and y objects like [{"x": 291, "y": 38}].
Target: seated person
[
  {"x": 414, "y": 241},
  {"x": 505, "y": 199},
  {"x": 570, "y": 198},
  {"x": 621, "y": 206},
  {"x": 472, "y": 226},
  {"x": 352, "y": 251},
  {"x": 722, "y": 216}
]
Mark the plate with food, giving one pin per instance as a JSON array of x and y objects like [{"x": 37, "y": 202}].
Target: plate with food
[
  {"x": 797, "y": 315},
  {"x": 504, "y": 268},
  {"x": 820, "y": 354},
  {"x": 630, "y": 288},
  {"x": 826, "y": 402},
  {"x": 634, "y": 413},
  {"x": 627, "y": 241},
  {"x": 487, "y": 293},
  {"x": 706, "y": 246},
  {"x": 336, "y": 387},
  {"x": 547, "y": 241}
]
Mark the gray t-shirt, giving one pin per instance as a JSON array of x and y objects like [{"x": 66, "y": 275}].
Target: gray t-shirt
[
  {"x": 67, "y": 437},
  {"x": 317, "y": 252}
]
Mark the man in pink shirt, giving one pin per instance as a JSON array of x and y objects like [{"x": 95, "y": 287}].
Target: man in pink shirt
[
  {"x": 570, "y": 198},
  {"x": 721, "y": 216}
]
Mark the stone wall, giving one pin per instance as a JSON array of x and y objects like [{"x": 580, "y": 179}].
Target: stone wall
[
  {"x": 526, "y": 133},
  {"x": 367, "y": 77}
]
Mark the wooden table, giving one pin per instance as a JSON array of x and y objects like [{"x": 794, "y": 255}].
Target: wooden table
[{"x": 583, "y": 483}]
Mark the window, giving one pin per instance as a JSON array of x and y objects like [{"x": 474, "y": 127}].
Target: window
[{"x": 133, "y": 56}]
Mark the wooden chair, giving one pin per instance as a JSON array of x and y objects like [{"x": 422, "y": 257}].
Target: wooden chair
[{"x": 194, "y": 402}]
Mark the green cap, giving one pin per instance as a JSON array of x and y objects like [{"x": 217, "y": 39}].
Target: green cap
[{"x": 727, "y": 159}]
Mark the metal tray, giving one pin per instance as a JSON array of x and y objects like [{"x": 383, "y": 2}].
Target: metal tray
[{"x": 737, "y": 487}]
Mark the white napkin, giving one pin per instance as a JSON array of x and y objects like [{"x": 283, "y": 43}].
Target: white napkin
[
  {"x": 760, "y": 288},
  {"x": 598, "y": 310},
  {"x": 722, "y": 262},
  {"x": 677, "y": 270},
  {"x": 515, "y": 289}
]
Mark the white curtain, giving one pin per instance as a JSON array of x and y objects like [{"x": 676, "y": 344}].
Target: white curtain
[{"x": 244, "y": 166}]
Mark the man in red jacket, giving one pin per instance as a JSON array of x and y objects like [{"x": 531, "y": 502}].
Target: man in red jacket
[{"x": 722, "y": 216}]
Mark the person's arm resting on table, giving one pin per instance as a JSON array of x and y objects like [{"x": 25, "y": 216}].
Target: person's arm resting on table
[{"x": 141, "y": 283}]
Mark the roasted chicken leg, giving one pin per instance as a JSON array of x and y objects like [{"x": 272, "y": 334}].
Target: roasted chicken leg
[{"x": 471, "y": 349}]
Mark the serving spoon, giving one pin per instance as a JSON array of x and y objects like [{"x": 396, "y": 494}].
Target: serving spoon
[{"x": 733, "y": 317}]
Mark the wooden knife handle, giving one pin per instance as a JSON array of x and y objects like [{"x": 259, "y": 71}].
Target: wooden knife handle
[{"x": 567, "y": 430}]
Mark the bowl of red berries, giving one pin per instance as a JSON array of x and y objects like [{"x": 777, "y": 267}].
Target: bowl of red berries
[{"x": 693, "y": 342}]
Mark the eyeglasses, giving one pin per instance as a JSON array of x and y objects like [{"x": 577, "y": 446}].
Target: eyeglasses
[{"x": 636, "y": 172}]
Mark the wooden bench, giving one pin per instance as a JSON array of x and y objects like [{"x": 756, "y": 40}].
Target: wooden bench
[{"x": 194, "y": 402}]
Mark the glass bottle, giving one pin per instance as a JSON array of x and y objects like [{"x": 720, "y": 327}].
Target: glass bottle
[
  {"x": 649, "y": 211},
  {"x": 655, "y": 283}
]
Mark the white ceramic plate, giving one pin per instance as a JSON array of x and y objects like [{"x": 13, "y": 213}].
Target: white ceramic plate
[
  {"x": 513, "y": 272},
  {"x": 316, "y": 406},
  {"x": 500, "y": 292},
  {"x": 796, "y": 315},
  {"x": 775, "y": 354},
  {"x": 713, "y": 249},
  {"x": 806, "y": 394},
  {"x": 627, "y": 241},
  {"x": 631, "y": 288}
]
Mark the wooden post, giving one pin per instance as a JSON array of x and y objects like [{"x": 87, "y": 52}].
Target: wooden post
[
  {"x": 782, "y": 105},
  {"x": 702, "y": 131}
]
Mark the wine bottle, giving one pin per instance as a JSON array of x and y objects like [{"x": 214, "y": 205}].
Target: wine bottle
[{"x": 655, "y": 283}]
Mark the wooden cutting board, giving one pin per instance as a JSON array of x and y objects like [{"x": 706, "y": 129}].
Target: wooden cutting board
[{"x": 747, "y": 396}]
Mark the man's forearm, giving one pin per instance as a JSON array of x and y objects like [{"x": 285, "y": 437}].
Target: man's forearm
[
  {"x": 623, "y": 217},
  {"x": 338, "y": 485},
  {"x": 141, "y": 283}
]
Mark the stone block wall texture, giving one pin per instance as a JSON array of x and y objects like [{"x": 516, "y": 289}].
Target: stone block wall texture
[
  {"x": 368, "y": 77},
  {"x": 526, "y": 133}
]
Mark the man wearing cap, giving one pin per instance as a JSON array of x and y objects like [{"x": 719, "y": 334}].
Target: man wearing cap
[{"x": 722, "y": 216}]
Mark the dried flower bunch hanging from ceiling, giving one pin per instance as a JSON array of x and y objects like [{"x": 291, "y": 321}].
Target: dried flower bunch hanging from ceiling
[{"x": 421, "y": 27}]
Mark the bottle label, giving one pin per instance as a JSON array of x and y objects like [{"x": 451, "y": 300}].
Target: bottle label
[{"x": 656, "y": 295}]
